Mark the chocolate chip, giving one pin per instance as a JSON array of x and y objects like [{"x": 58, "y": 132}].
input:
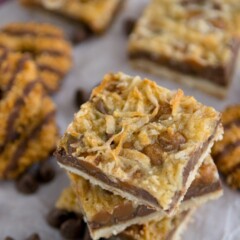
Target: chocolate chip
[
  {"x": 27, "y": 184},
  {"x": 79, "y": 97},
  {"x": 154, "y": 152},
  {"x": 57, "y": 217},
  {"x": 87, "y": 235},
  {"x": 46, "y": 173},
  {"x": 8, "y": 238},
  {"x": 171, "y": 141},
  {"x": 34, "y": 236},
  {"x": 80, "y": 35},
  {"x": 217, "y": 6},
  {"x": 72, "y": 229},
  {"x": 128, "y": 26},
  {"x": 101, "y": 107}
]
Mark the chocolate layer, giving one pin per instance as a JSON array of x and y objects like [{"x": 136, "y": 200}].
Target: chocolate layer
[
  {"x": 220, "y": 75},
  {"x": 92, "y": 170},
  {"x": 197, "y": 189},
  {"x": 121, "y": 213},
  {"x": 202, "y": 189}
]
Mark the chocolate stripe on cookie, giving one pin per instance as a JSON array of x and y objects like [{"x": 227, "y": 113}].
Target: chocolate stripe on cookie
[
  {"x": 53, "y": 52},
  {"x": 43, "y": 67},
  {"x": 11, "y": 134},
  {"x": 13, "y": 164},
  {"x": 226, "y": 150},
  {"x": 22, "y": 33},
  {"x": 232, "y": 169},
  {"x": 19, "y": 68},
  {"x": 235, "y": 122}
]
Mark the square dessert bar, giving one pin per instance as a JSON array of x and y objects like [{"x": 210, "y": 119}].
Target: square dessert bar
[
  {"x": 139, "y": 140},
  {"x": 106, "y": 213},
  {"x": 96, "y": 15},
  {"x": 194, "y": 42},
  {"x": 168, "y": 228}
]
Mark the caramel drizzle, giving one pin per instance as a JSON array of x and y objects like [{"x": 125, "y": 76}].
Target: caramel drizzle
[
  {"x": 13, "y": 164},
  {"x": 11, "y": 134}
]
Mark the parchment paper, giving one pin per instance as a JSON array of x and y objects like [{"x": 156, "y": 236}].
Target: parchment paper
[{"x": 22, "y": 215}]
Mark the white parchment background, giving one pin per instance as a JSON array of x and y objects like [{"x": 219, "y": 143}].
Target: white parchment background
[{"x": 22, "y": 215}]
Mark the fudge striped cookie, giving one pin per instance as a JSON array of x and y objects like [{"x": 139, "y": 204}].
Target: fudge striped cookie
[
  {"x": 28, "y": 131},
  {"x": 226, "y": 152}
]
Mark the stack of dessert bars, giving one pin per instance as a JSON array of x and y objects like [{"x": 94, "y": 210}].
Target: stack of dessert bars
[{"x": 138, "y": 156}]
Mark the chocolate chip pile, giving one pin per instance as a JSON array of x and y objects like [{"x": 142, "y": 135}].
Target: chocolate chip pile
[
  {"x": 36, "y": 175},
  {"x": 70, "y": 224}
]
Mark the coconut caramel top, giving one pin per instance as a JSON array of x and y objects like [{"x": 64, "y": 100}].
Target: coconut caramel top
[
  {"x": 133, "y": 130},
  {"x": 201, "y": 33}
]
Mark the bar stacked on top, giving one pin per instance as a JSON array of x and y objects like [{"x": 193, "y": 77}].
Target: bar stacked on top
[
  {"x": 137, "y": 153},
  {"x": 194, "y": 42}
]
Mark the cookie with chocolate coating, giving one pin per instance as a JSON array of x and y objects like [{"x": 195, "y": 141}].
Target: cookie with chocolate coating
[{"x": 28, "y": 131}]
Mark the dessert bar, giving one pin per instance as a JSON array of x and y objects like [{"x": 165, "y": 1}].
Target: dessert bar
[
  {"x": 194, "y": 42},
  {"x": 106, "y": 213},
  {"x": 168, "y": 228},
  {"x": 139, "y": 140},
  {"x": 96, "y": 15}
]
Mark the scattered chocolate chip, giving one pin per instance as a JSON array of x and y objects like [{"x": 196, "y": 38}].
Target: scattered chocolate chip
[
  {"x": 57, "y": 217},
  {"x": 72, "y": 229},
  {"x": 101, "y": 107},
  {"x": 80, "y": 35},
  {"x": 217, "y": 6},
  {"x": 27, "y": 184},
  {"x": 79, "y": 97},
  {"x": 8, "y": 238},
  {"x": 46, "y": 173},
  {"x": 34, "y": 236},
  {"x": 87, "y": 235},
  {"x": 171, "y": 141},
  {"x": 128, "y": 26},
  {"x": 154, "y": 152}
]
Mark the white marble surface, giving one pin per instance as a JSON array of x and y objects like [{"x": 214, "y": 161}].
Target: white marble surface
[{"x": 22, "y": 215}]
